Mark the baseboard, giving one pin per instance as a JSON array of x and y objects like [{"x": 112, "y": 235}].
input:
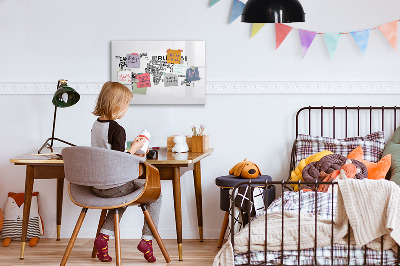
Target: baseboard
[{"x": 231, "y": 87}]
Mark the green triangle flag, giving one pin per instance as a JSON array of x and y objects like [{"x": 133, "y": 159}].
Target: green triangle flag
[
  {"x": 332, "y": 41},
  {"x": 213, "y": 2},
  {"x": 256, "y": 28}
]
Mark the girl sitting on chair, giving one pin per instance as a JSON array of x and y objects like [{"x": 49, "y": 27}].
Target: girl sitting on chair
[{"x": 112, "y": 104}]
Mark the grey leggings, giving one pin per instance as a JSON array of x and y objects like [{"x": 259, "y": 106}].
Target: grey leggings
[{"x": 154, "y": 208}]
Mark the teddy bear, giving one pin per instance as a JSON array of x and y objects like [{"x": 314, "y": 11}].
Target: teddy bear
[
  {"x": 13, "y": 215},
  {"x": 180, "y": 144},
  {"x": 245, "y": 169}
]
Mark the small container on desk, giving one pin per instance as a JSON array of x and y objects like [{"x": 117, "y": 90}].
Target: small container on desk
[
  {"x": 171, "y": 143},
  {"x": 200, "y": 143}
]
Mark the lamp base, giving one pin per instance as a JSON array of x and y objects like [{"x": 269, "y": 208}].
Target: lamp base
[{"x": 50, "y": 146}]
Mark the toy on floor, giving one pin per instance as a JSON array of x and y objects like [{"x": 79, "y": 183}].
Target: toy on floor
[
  {"x": 245, "y": 169},
  {"x": 13, "y": 215}
]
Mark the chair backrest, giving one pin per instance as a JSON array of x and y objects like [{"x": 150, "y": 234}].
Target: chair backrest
[{"x": 92, "y": 166}]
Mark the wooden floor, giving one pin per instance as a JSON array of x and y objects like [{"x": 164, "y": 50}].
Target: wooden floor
[{"x": 50, "y": 252}]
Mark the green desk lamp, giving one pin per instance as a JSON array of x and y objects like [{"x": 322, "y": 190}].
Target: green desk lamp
[{"x": 65, "y": 96}]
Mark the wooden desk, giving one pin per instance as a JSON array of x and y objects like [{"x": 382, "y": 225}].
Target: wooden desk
[
  {"x": 40, "y": 167},
  {"x": 171, "y": 167}
]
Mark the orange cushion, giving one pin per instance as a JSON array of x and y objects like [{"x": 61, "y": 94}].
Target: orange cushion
[{"x": 375, "y": 170}]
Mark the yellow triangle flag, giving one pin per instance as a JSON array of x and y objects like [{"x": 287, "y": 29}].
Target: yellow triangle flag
[{"x": 255, "y": 28}]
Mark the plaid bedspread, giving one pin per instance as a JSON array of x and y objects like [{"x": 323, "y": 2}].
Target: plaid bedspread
[{"x": 307, "y": 202}]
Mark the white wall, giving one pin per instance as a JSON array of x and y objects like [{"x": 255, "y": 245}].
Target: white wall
[{"x": 42, "y": 41}]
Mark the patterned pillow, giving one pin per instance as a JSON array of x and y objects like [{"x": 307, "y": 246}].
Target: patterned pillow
[{"x": 372, "y": 144}]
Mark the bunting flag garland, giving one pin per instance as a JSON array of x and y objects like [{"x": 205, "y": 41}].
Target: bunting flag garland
[
  {"x": 389, "y": 30},
  {"x": 213, "y": 2},
  {"x": 256, "y": 27},
  {"x": 237, "y": 9},
  {"x": 281, "y": 31},
  {"x": 361, "y": 37},
  {"x": 306, "y": 39},
  {"x": 332, "y": 41}
]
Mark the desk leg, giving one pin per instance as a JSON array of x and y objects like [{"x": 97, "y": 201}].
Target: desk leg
[
  {"x": 27, "y": 206},
  {"x": 197, "y": 189},
  {"x": 60, "y": 190},
  {"x": 176, "y": 182}
]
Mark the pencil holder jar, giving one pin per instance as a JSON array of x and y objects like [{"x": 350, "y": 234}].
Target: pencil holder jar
[{"x": 200, "y": 143}]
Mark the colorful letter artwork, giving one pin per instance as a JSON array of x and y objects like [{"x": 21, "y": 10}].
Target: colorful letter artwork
[
  {"x": 170, "y": 80},
  {"x": 192, "y": 74},
  {"x": 125, "y": 77},
  {"x": 133, "y": 60},
  {"x": 174, "y": 56},
  {"x": 144, "y": 80},
  {"x": 156, "y": 71}
]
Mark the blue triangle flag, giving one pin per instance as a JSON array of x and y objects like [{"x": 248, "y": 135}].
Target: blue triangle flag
[
  {"x": 361, "y": 37},
  {"x": 213, "y": 2},
  {"x": 332, "y": 41},
  {"x": 237, "y": 9}
]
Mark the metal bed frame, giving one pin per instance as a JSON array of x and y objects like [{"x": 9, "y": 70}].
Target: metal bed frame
[{"x": 283, "y": 184}]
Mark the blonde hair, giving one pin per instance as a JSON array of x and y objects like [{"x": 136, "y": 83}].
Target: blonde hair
[{"x": 112, "y": 99}]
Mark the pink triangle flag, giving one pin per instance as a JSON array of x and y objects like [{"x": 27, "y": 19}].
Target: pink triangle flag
[
  {"x": 281, "y": 31},
  {"x": 306, "y": 39},
  {"x": 389, "y": 30}
]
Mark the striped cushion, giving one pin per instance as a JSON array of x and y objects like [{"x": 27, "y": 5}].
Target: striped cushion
[
  {"x": 372, "y": 145},
  {"x": 13, "y": 228}
]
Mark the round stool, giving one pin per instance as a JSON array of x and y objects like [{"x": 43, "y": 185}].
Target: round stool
[{"x": 228, "y": 182}]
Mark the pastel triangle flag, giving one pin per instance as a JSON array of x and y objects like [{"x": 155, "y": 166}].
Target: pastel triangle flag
[
  {"x": 237, "y": 9},
  {"x": 332, "y": 41},
  {"x": 389, "y": 30},
  {"x": 306, "y": 39},
  {"x": 281, "y": 31},
  {"x": 361, "y": 37},
  {"x": 213, "y": 2},
  {"x": 256, "y": 28}
]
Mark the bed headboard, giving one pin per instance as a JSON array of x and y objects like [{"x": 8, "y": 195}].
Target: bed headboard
[{"x": 344, "y": 121}]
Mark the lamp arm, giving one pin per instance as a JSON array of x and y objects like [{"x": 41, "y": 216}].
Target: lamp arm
[
  {"x": 54, "y": 126},
  {"x": 55, "y": 115}
]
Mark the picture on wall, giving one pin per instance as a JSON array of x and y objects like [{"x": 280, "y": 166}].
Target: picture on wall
[{"x": 161, "y": 72}]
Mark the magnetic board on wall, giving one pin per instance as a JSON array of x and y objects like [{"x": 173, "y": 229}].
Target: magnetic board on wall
[{"x": 160, "y": 72}]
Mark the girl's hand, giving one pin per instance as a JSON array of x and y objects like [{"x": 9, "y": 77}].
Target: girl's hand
[
  {"x": 137, "y": 144},
  {"x": 143, "y": 155}
]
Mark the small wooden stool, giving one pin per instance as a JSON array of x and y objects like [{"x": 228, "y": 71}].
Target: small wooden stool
[{"x": 226, "y": 183}]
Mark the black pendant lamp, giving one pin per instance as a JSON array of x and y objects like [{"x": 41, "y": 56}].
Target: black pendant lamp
[{"x": 273, "y": 11}]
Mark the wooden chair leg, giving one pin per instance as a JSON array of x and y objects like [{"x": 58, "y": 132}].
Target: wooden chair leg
[
  {"x": 223, "y": 229},
  {"x": 117, "y": 238},
  {"x": 73, "y": 237},
  {"x": 154, "y": 230},
  {"x": 101, "y": 222}
]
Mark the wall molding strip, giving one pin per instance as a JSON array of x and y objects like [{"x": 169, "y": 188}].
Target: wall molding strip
[{"x": 232, "y": 87}]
